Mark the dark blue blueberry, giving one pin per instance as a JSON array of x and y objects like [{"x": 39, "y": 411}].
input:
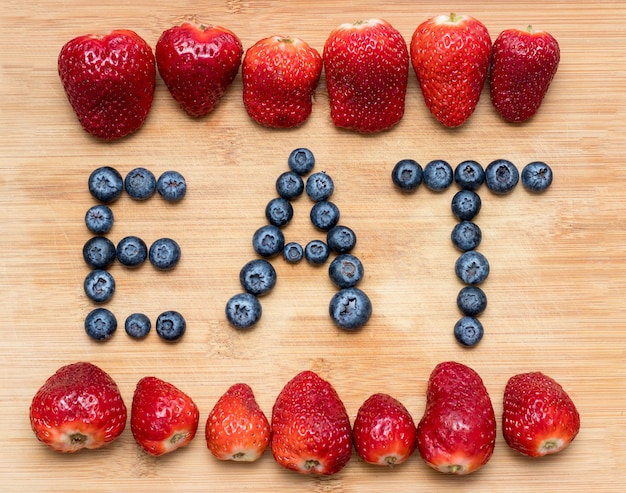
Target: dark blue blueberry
[
  {"x": 537, "y": 176},
  {"x": 466, "y": 205},
  {"x": 316, "y": 252},
  {"x": 350, "y": 308},
  {"x": 137, "y": 325},
  {"x": 170, "y": 325},
  {"x": 140, "y": 183},
  {"x": 243, "y": 310},
  {"x": 172, "y": 186},
  {"x": 346, "y": 270},
  {"x": 164, "y": 253},
  {"x": 99, "y": 252},
  {"x": 438, "y": 175},
  {"x": 468, "y": 331},
  {"x": 319, "y": 186},
  {"x": 99, "y": 285},
  {"x": 324, "y": 215},
  {"x": 279, "y": 212},
  {"x": 132, "y": 251},
  {"x": 466, "y": 236},
  {"x": 268, "y": 241},
  {"x": 293, "y": 252},
  {"x": 301, "y": 161},
  {"x": 289, "y": 185},
  {"x": 501, "y": 176},
  {"x": 106, "y": 184},
  {"x": 99, "y": 219},
  {"x": 472, "y": 301},
  {"x": 469, "y": 175},
  {"x": 257, "y": 277},
  {"x": 100, "y": 324},
  {"x": 407, "y": 175},
  {"x": 341, "y": 239},
  {"x": 472, "y": 267}
]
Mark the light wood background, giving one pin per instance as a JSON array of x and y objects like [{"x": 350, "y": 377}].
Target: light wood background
[{"x": 558, "y": 273}]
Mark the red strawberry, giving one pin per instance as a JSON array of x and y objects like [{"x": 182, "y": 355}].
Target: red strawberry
[
  {"x": 280, "y": 75},
  {"x": 367, "y": 69},
  {"x": 450, "y": 55},
  {"x": 384, "y": 432},
  {"x": 163, "y": 418},
  {"x": 197, "y": 63},
  {"x": 237, "y": 429},
  {"x": 109, "y": 81},
  {"x": 78, "y": 407},
  {"x": 457, "y": 433},
  {"x": 310, "y": 427},
  {"x": 539, "y": 417},
  {"x": 523, "y": 64}
]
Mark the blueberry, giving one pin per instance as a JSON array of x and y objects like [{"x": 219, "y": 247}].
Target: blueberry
[
  {"x": 99, "y": 285},
  {"x": 346, "y": 270},
  {"x": 301, "y": 161},
  {"x": 243, "y": 310},
  {"x": 469, "y": 175},
  {"x": 140, "y": 183},
  {"x": 99, "y": 252},
  {"x": 537, "y": 176},
  {"x": 472, "y": 301},
  {"x": 293, "y": 252},
  {"x": 466, "y": 205},
  {"x": 319, "y": 186},
  {"x": 170, "y": 325},
  {"x": 289, "y": 185},
  {"x": 350, "y": 308},
  {"x": 132, "y": 251},
  {"x": 466, "y": 236},
  {"x": 468, "y": 331},
  {"x": 137, "y": 325},
  {"x": 279, "y": 212},
  {"x": 268, "y": 241},
  {"x": 106, "y": 184},
  {"x": 257, "y": 277},
  {"x": 99, "y": 219},
  {"x": 407, "y": 175},
  {"x": 164, "y": 253},
  {"x": 100, "y": 324},
  {"x": 341, "y": 239},
  {"x": 316, "y": 252},
  {"x": 472, "y": 267},
  {"x": 438, "y": 175},
  {"x": 324, "y": 215},
  {"x": 501, "y": 176},
  {"x": 172, "y": 186}
]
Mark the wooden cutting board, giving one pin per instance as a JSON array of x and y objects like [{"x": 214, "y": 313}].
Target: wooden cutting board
[{"x": 556, "y": 289}]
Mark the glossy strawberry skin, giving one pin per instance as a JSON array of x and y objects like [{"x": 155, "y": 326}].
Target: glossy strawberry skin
[
  {"x": 457, "y": 432},
  {"x": 539, "y": 417},
  {"x": 311, "y": 431},
  {"x": 198, "y": 62},
  {"x": 450, "y": 56},
  {"x": 78, "y": 407},
  {"x": 109, "y": 81},
  {"x": 367, "y": 69},
  {"x": 237, "y": 428},
  {"x": 523, "y": 64},
  {"x": 163, "y": 418}
]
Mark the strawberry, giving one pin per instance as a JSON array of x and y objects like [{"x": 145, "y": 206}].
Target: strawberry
[
  {"x": 384, "y": 432},
  {"x": 109, "y": 81},
  {"x": 280, "y": 75},
  {"x": 163, "y": 418},
  {"x": 367, "y": 70},
  {"x": 237, "y": 429},
  {"x": 450, "y": 55},
  {"x": 523, "y": 64},
  {"x": 198, "y": 62},
  {"x": 457, "y": 433},
  {"x": 538, "y": 417},
  {"x": 78, "y": 407},
  {"x": 310, "y": 427}
]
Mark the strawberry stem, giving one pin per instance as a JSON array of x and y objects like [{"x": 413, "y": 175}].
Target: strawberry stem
[{"x": 78, "y": 438}]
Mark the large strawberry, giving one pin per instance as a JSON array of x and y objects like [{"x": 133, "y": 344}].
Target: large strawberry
[
  {"x": 280, "y": 75},
  {"x": 367, "y": 70},
  {"x": 523, "y": 64},
  {"x": 109, "y": 80},
  {"x": 198, "y": 62},
  {"x": 237, "y": 428},
  {"x": 450, "y": 55},
  {"x": 539, "y": 417},
  {"x": 163, "y": 418},
  {"x": 457, "y": 433},
  {"x": 80, "y": 406},
  {"x": 311, "y": 431}
]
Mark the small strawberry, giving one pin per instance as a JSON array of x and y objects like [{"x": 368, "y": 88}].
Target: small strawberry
[
  {"x": 163, "y": 418},
  {"x": 367, "y": 70},
  {"x": 384, "y": 432},
  {"x": 109, "y": 81},
  {"x": 237, "y": 429},
  {"x": 450, "y": 55},
  {"x": 280, "y": 75},
  {"x": 539, "y": 417},
  {"x": 310, "y": 427},
  {"x": 457, "y": 433},
  {"x": 523, "y": 64},
  {"x": 198, "y": 62},
  {"x": 80, "y": 406}
]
